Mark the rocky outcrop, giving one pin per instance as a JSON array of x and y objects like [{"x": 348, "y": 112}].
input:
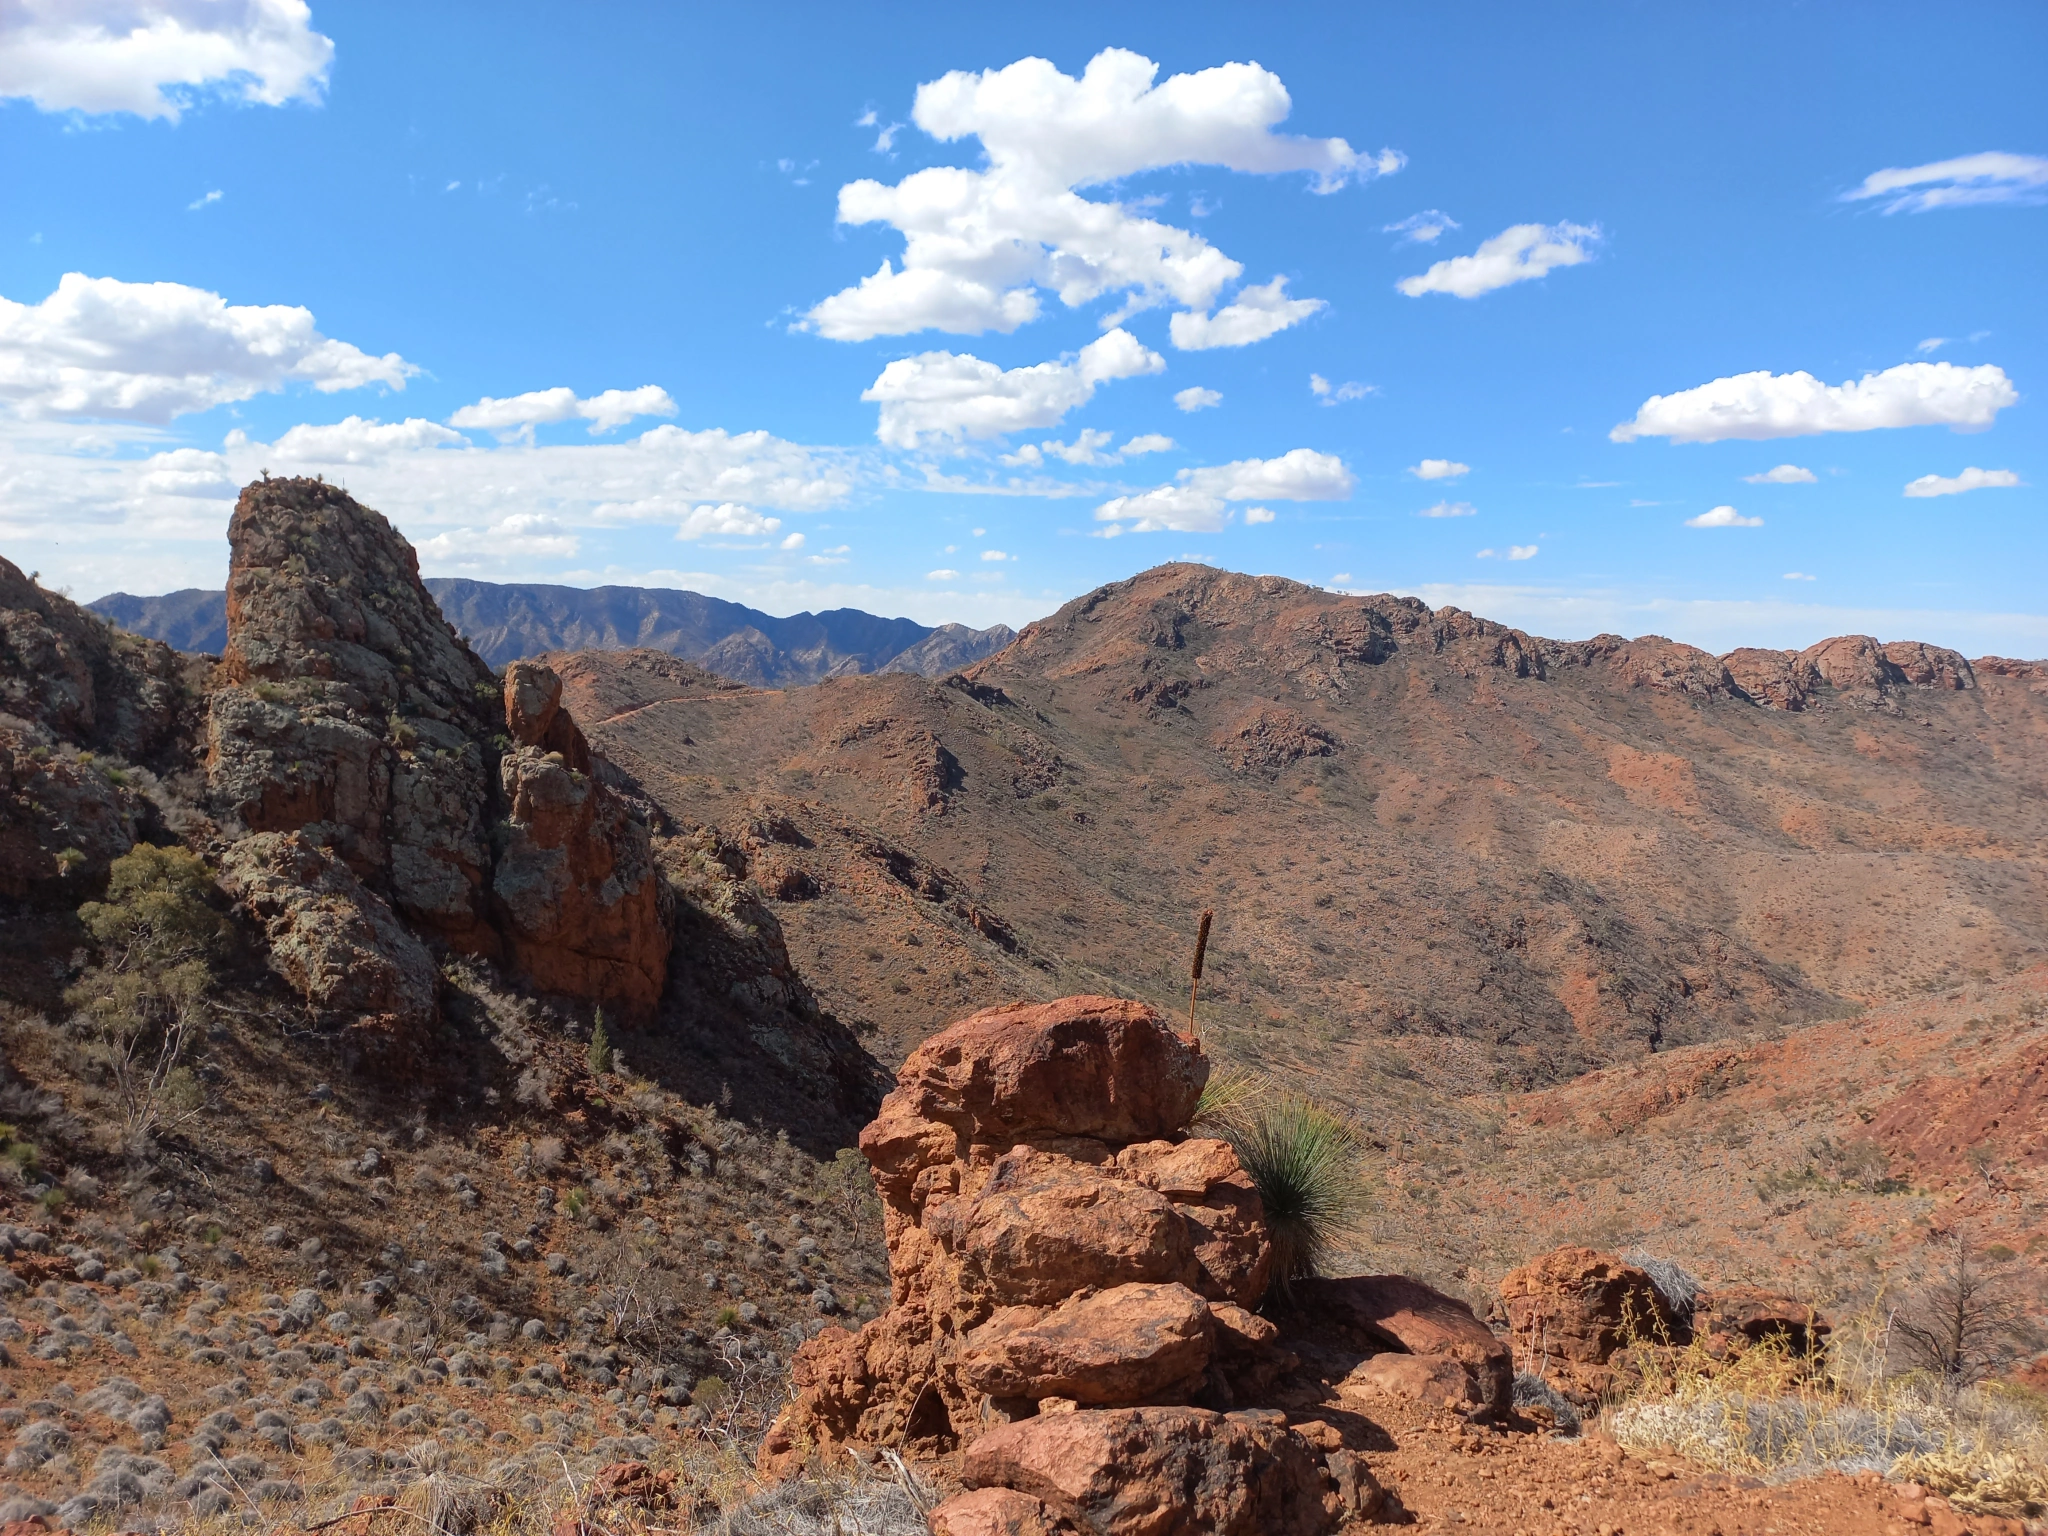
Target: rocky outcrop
[
  {"x": 1074, "y": 1278},
  {"x": 349, "y": 710},
  {"x": 83, "y": 707},
  {"x": 335, "y": 942},
  {"x": 1780, "y": 679},
  {"x": 1570, "y": 1311},
  {"x": 87, "y": 683},
  {"x": 576, "y": 891},
  {"x": 1053, "y": 1233},
  {"x": 1853, "y": 668},
  {"x": 349, "y": 714}
]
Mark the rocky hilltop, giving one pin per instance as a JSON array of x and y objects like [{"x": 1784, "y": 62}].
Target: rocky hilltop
[
  {"x": 1437, "y": 846},
  {"x": 506, "y": 621}
]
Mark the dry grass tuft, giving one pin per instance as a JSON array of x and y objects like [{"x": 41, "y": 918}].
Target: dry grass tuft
[{"x": 1769, "y": 1414}]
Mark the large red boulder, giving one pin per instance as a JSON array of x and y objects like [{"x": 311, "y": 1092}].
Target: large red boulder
[
  {"x": 1132, "y": 1344},
  {"x": 1426, "y": 1346},
  {"x": 1174, "y": 1472},
  {"x": 1578, "y": 1306},
  {"x": 1099, "y": 1067}
]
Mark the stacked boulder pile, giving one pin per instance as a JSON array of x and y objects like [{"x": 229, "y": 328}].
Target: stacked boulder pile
[{"x": 1074, "y": 1317}]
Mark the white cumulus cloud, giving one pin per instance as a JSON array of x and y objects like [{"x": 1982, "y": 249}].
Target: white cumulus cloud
[
  {"x": 354, "y": 440},
  {"x": 1513, "y": 256},
  {"x": 1991, "y": 177},
  {"x": 1253, "y": 315},
  {"x": 613, "y": 408},
  {"x": 1198, "y": 500},
  {"x": 1971, "y": 479},
  {"x": 1196, "y": 398},
  {"x": 1783, "y": 474},
  {"x": 1256, "y": 515},
  {"x": 725, "y": 520},
  {"x": 147, "y": 352},
  {"x": 942, "y": 575},
  {"x": 1761, "y": 405},
  {"x": 953, "y": 395},
  {"x": 155, "y": 58},
  {"x": 1439, "y": 469},
  {"x": 1723, "y": 517},
  {"x": 1449, "y": 509},
  {"x": 979, "y": 245}
]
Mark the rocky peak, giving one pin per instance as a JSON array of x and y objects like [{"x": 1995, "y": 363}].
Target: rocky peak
[
  {"x": 350, "y": 715},
  {"x": 321, "y": 588}
]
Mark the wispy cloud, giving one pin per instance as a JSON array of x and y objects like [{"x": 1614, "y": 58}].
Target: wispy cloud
[
  {"x": 1332, "y": 394},
  {"x": 1450, "y": 509},
  {"x": 1992, "y": 177},
  {"x": 1783, "y": 474},
  {"x": 1420, "y": 228},
  {"x": 1723, "y": 517},
  {"x": 205, "y": 202},
  {"x": 1515, "y": 255}
]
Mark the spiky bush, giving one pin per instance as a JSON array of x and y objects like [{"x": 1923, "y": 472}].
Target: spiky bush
[
  {"x": 1678, "y": 1286},
  {"x": 1304, "y": 1160}
]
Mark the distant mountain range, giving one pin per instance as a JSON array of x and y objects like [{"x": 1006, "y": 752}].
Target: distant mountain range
[{"x": 505, "y": 621}]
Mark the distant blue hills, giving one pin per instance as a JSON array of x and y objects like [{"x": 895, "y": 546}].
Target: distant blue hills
[{"x": 504, "y": 621}]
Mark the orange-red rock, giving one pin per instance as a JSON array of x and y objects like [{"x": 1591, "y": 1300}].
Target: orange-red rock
[
  {"x": 1130, "y": 1344},
  {"x": 1469, "y": 1365},
  {"x": 1731, "y": 1318},
  {"x": 996, "y": 1512},
  {"x": 1579, "y": 1306},
  {"x": 1175, "y": 1472}
]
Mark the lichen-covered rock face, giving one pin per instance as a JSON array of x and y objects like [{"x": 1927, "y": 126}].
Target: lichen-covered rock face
[
  {"x": 81, "y": 705},
  {"x": 336, "y": 942},
  {"x": 63, "y": 820},
  {"x": 349, "y": 709},
  {"x": 1053, "y": 1233},
  {"x": 88, "y": 684},
  {"x": 349, "y": 713}
]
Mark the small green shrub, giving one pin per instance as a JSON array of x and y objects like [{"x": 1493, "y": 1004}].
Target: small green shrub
[
  {"x": 600, "y": 1053},
  {"x": 1304, "y": 1159},
  {"x": 158, "y": 936}
]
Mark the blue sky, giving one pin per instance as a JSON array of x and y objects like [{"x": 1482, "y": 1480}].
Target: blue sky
[{"x": 596, "y": 294}]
